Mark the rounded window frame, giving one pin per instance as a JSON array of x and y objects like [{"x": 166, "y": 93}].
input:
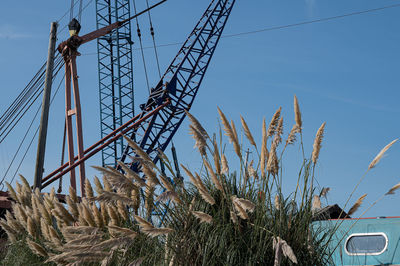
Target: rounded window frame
[{"x": 368, "y": 253}]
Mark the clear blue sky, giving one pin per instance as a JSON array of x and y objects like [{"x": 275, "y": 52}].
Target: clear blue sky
[{"x": 345, "y": 72}]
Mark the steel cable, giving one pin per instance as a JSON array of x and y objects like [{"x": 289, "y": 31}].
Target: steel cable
[
  {"x": 26, "y": 91},
  {"x": 141, "y": 47},
  {"x": 71, "y": 10},
  {"x": 33, "y": 138},
  {"x": 65, "y": 26},
  {"x": 80, "y": 11},
  {"x": 154, "y": 41},
  {"x": 22, "y": 109}
]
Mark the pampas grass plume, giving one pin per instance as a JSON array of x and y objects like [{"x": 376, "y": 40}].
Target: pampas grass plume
[
  {"x": 143, "y": 223},
  {"x": 227, "y": 127},
  {"x": 166, "y": 183},
  {"x": 114, "y": 230},
  {"x": 154, "y": 232},
  {"x": 272, "y": 163},
  {"x": 316, "y": 204},
  {"x": 25, "y": 183},
  {"x": 128, "y": 171},
  {"x": 203, "y": 191},
  {"x": 139, "y": 150},
  {"x": 200, "y": 141},
  {"x": 12, "y": 235},
  {"x": 72, "y": 194},
  {"x": 324, "y": 192},
  {"x": 104, "y": 212},
  {"x": 37, "y": 249},
  {"x": 217, "y": 159},
  {"x": 277, "y": 203},
  {"x": 317, "y": 143},
  {"x": 191, "y": 176},
  {"x": 279, "y": 132},
  {"x": 378, "y": 157},
  {"x": 149, "y": 201},
  {"x": 150, "y": 175},
  {"x": 106, "y": 184},
  {"x": 20, "y": 214},
  {"x": 98, "y": 185},
  {"x": 292, "y": 135},
  {"x": 240, "y": 211},
  {"x": 393, "y": 189},
  {"x": 264, "y": 150},
  {"x": 203, "y": 217},
  {"x": 297, "y": 113},
  {"x": 44, "y": 228},
  {"x": 169, "y": 195},
  {"x": 72, "y": 207},
  {"x": 225, "y": 167},
  {"x": 234, "y": 217},
  {"x": 113, "y": 215},
  {"x": 236, "y": 145},
  {"x": 122, "y": 210},
  {"x": 274, "y": 122},
  {"x": 64, "y": 214},
  {"x": 247, "y": 132},
  {"x": 97, "y": 216},
  {"x": 87, "y": 214},
  {"x": 12, "y": 192},
  {"x": 356, "y": 205},
  {"x": 281, "y": 245},
  {"x": 196, "y": 124},
  {"x": 88, "y": 189},
  {"x": 31, "y": 228},
  {"x": 214, "y": 177}
]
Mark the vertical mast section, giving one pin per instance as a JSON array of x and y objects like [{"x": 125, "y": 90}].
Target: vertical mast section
[
  {"x": 44, "y": 119},
  {"x": 115, "y": 74}
]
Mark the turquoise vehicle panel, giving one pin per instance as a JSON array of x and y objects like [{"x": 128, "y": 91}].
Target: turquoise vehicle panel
[{"x": 367, "y": 241}]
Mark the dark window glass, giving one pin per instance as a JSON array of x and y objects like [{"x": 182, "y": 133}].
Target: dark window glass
[{"x": 366, "y": 244}]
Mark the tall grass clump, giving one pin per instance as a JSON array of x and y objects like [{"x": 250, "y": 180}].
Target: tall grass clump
[
  {"x": 232, "y": 211},
  {"x": 237, "y": 214}
]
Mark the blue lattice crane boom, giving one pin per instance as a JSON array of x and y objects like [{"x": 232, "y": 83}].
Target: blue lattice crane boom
[{"x": 181, "y": 81}]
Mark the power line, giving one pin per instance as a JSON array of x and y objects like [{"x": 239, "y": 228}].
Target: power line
[
  {"x": 281, "y": 27},
  {"x": 25, "y": 136},
  {"x": 311, "y": 21},
  {"x": 13, "y": 115}
]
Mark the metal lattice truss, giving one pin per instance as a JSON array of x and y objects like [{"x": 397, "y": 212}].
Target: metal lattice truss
[
  {"x": 182, "y": 81},
  {"x": 115, "y": 74}
]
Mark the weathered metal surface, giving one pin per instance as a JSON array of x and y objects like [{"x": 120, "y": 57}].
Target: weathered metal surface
[{"x": 382, "y": 233}]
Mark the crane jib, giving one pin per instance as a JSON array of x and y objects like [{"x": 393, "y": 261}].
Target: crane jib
[{"x": 184, "y": 77}]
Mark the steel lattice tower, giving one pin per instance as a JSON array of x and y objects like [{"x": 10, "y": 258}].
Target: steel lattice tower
[{"x": 115, "y": 74}]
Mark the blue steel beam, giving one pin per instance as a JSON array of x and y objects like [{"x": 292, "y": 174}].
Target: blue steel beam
[
  {"x": 181, "y": 81},
  {"x": 115, "y": 74}
]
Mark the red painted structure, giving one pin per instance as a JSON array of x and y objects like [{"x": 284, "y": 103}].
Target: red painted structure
[
  {"x": 69, "y": 51},
  {"x": 98, "y": 146}
]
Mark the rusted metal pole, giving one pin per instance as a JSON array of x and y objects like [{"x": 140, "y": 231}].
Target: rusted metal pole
[
  {"x": 68, "y": 115},
  {"x": 78, "y": 117},
  {"x": 45, "y": 108}
]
